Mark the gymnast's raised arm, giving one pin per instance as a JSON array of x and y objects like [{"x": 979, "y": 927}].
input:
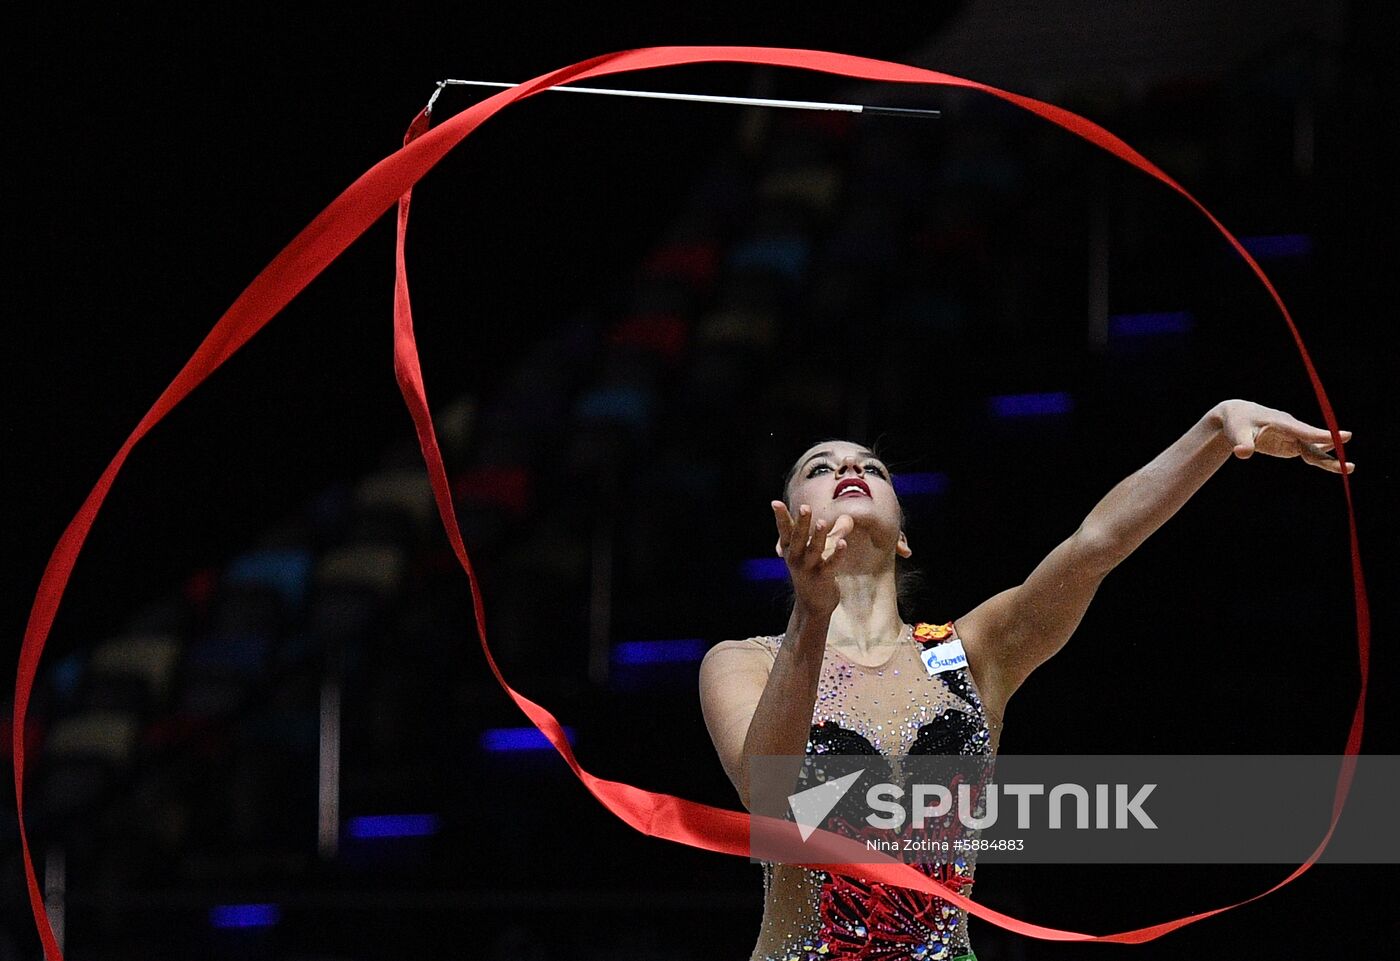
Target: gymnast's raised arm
[
  {"x": 1012, "y": 633},
  {"x": 750, "y": 710}
]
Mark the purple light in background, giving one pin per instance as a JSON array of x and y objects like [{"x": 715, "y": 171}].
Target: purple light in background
[
  {"x": 244, "y": 915},
  {"x": 392, "y": 825},
  {"x": 1276, "y": 246},
  {"x": 915, "y": 484},
  {"x": 659, "y": 652},
  {"x": 499, "y": 739},
  {"x": 1030, "y": 405},
  {"x": 765, "y": 569},
  {"x": 1146, "y": 325}
]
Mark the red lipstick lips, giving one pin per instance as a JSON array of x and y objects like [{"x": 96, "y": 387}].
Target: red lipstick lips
[{"x": 849, "y": 483}]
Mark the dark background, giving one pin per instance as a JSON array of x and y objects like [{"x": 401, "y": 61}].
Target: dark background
[{"x": 161, "y": 156}]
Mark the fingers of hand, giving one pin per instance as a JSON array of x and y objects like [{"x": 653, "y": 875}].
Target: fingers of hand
[
  {"x": 807, "y": 542},
  {"x": 1320, "y": 456},
  {"x": 805, "y": 533},
  {"x": 843, "y": 526},
  {"x": 836, "y": 538},
  {"x": 1316, "y": 435},
  {"x": 811, "y": 542},
  {"x": 1325, "y": 440},
  {"x": 1252, "y": 429},
  {"x": 834, "y": 545},
  {"x": 801, "y": 532},
  {"x": 1320, "y": 453},
  {"x": 1241, "y": 432},
  {"x": 784, "y": 521},
  {"x": 1341, "y": 468},
  {"x": 1292, "y": 438}
]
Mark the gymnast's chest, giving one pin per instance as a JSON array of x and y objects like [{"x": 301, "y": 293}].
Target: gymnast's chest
[{"x": 899, "y": 708}]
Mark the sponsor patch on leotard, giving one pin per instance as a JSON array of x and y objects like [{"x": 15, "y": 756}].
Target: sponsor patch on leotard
[{"x": 944, "y": 657}]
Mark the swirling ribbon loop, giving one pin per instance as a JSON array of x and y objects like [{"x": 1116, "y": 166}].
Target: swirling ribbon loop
[{"x": 390, "y": 181}]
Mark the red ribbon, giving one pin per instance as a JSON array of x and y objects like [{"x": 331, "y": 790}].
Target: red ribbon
[{"x": 390, "y": 180}]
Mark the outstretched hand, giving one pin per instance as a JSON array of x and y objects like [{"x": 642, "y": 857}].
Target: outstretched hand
[
  {"x": 1252, "y": 428},
  {"x": 811, "y": 552}
]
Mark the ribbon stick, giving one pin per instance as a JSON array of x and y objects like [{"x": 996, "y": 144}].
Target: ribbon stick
[
  {"x": 862, "y": 108},
  {"x": 389, "y": 182}
]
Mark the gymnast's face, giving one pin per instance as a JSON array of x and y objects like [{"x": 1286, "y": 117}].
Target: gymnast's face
[{"x": 839, "y": 477}]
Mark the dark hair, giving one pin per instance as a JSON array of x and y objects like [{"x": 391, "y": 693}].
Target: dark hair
[{"x": 908, "y": 579}]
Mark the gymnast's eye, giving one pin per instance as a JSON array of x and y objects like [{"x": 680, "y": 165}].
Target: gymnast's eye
[
  {"x": 875, "y": 469},
  {"x": 820, "y": 465}
]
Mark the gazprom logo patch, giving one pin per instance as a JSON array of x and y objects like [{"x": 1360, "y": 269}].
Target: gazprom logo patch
[{"x": 944, "y": 657}]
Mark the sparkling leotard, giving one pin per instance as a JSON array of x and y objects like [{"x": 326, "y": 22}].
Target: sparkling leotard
[{"x": 895, "y": 708}]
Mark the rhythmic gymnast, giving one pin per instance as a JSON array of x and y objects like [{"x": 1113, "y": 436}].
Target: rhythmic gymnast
[{"x": 846, "y": 676}]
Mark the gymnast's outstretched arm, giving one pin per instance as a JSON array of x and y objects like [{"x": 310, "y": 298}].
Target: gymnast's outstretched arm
[{"x": 1010, "y": 634}]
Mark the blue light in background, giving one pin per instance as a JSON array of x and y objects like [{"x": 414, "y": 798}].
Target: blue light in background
[
  {"x": 1030, "y": 405},
  {"x": 765, "y": 569},
  {"x": 66, "y": 673},
  {"x": 392, "y": 825},
  {"x": 659, "y": 652},
  {"x": 1146, "y": 325},
  {"x": 916, "y": 484},
  {"x": 244, "y": 915},
  {"x": 498, "y": 739},
  {"x": 1277, "y": 246}
]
